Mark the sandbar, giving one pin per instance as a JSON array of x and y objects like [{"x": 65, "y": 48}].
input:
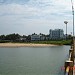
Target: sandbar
[{"x": 24, "y": 45}]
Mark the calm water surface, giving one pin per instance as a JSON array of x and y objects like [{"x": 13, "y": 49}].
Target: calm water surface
[{"x": 33, "y": 60}]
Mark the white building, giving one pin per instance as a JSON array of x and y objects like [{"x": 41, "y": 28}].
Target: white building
[
  {"x": 42, "y": 37},
  {"x": 35, "y": 37},
  {"x": 56, "y": 34}
]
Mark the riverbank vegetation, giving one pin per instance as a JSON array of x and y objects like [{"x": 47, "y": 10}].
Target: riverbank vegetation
[
  {"x": 16, "y": 38},
  {"x": 58, "y": 42}
]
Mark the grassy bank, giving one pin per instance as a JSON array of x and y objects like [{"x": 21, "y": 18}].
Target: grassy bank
[{"x": 61, "y": 42}]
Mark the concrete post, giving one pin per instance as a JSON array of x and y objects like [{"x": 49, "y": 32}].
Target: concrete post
[{"x": 70, "y": 65}]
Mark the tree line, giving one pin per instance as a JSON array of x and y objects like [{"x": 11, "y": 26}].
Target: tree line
[
  {"x": 22, "y": 38},
  {"x": 14, "y": 38}
]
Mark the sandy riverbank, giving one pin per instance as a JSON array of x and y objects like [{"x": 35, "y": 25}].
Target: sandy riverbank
[{"x": 24, "y": 45}]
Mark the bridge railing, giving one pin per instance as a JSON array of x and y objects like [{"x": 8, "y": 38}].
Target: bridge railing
[{"x": 69, "y": 63}]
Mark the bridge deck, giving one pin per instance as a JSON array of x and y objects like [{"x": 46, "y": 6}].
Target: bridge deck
[
  {"x": 74, "y": 70},
  {"x": 74, "y": 59}
]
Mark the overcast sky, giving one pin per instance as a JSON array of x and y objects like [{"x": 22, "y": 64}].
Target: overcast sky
[{"x": 28, "y": 16}]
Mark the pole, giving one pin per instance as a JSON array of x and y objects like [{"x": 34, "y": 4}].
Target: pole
[
  {"x": 66, "y": 31},
  {"x": 73, "y": 24},
  {"x": 66, "y": 28},
  {"x": 73, "y": 16}
]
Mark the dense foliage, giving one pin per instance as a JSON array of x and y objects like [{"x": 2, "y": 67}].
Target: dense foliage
[
  {"x": 27, "y": 39},
  {"x": 14, "y": 38}
]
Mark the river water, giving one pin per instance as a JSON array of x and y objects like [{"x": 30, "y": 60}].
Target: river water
[{"x": 33, "y": 60}]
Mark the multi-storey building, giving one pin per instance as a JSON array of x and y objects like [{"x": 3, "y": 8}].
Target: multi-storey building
[{"x": 56, "y": 34}]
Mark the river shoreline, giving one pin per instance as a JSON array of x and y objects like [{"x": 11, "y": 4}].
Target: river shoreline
[{"x": 25, "y": 45}]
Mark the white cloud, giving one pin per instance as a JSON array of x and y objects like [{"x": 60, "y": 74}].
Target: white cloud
[
  {"x": 36, "y": 13},
  {"x": 35, "y": 8}
]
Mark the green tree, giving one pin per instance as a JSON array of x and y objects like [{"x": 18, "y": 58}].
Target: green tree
[
  {"x": 28, "y": 38},
  {"x": 13, "y": 37},
  {"x": 2, "y": 37}
]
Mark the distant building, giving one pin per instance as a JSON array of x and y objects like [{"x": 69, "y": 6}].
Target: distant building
[
  {"x": 42, "y": 37},
  {"x": 56, "y": 34},
  {"x": 35, "y": 37},
  {"x": 39, "y": 37},
  {"x": 22, "y": 39}
]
